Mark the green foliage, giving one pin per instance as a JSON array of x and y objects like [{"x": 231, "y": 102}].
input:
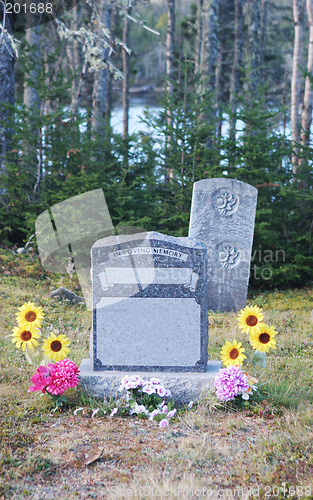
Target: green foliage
[
  {"x": 153, "y": 188},
  {"x": 282, "y": 248}
]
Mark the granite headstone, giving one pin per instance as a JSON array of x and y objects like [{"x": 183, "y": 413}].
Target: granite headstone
[
  {"x": 222, "y": 217},
  {"x": 149, "y": 303}
]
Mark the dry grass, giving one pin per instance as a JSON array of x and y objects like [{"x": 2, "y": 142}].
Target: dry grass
[{"x": 262, "y": 451}]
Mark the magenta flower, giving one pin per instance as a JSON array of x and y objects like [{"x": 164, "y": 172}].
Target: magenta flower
[
  {"x": 63, "y": 374},
  {"x": 40, "y": 379},
  {"x": 230, "y": 382}
]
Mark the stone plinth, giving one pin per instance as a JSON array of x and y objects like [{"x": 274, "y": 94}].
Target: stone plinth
[{"x": 185, "y": 386}]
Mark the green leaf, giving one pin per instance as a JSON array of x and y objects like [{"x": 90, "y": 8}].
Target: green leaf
[
  {"x": 142, "y": 415},
  {"x": 159, "y": 417}
]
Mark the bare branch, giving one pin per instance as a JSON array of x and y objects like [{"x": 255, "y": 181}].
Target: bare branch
[{"x": 141, "y": 23}]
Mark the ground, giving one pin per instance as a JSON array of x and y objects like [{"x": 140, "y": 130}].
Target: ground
[{"x": 262, "y": 450}]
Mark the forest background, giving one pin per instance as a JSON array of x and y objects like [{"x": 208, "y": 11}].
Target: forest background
[{"x": 234, "y": 83}]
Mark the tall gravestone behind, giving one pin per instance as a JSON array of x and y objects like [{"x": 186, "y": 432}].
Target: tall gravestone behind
[{"x": 222, "y": 217}]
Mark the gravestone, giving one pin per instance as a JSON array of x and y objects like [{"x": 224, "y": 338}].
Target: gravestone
[
  {"x": 222, "y": 217},
  {"x": 149, "y": 314},
  {"x": 149, "y": 303}
]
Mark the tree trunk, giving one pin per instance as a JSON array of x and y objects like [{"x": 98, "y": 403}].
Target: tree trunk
[
  {"x": 50, "y": 66},
  {"x": 236, "y": 74},
  {"x": 254, "y": 62},
  {"x": 298, "y": 12},
  {"x": 208, "y": 60},
  {"x": 108, "y": 106},
  {"x": 126, "y": 58},
  {"x": 308, "y": 92},
  {"x": 224, "y": 11},
  {"x": 31, "y": 97},
  {"x": 100, "y": 87},
  {"x": 199, "y": 40},
  {"x": 75, "y": 59},
  {"x": 263, "y": 22},
  {"x": 170, "y": 72},
  {"x": 7, "y": 60},
  {"x": 170, "y": 55},
  {"x": 170, "y": 44}
]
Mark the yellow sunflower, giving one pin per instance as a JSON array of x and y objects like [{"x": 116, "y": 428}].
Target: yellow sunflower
[
  {"x": 232, "y": 353},
  {"x": 25, "y": 337},
  {"x": 264, "y": 339},
  {"x": 29, "y": 315},
  {"x": 250, "y": 319},
  {"x": 56, "y": 348}
]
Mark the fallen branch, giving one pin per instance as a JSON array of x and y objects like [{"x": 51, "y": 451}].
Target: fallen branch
[{"x": 67, "y": 294}]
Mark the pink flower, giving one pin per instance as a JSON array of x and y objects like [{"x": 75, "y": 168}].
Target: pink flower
[
  {"x": 155, "y": 381},
  {"x": 148, "y": 388},
  {"x": 63, "y": 374},
  {"x": 40, "y": 379},
  {"x": 154, "y": 413},
  {"x": 230, "y": 382},
  {"x": 160, "y": 390},
  {"x": 163, "y": 422},
  {"x": 171, "y": 413}
]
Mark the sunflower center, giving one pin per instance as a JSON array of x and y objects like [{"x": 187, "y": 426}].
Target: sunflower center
[
  {"x": 234, "y": 353},
  {"x": 264, "y": 338},
  {"x": 251, "y": 320},
  {"x": 56, "y": 346},
  {"x": 30, "y": 316},
  {"x": 26, "y": 335}
]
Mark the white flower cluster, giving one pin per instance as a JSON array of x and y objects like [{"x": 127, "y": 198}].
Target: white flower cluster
[{"x": 152, "y": 386}]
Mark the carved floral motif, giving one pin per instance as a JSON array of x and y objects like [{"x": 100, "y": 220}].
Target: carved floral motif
[
  {"x": 225, "y": 202},
  {"x": 228, "y": 255}
]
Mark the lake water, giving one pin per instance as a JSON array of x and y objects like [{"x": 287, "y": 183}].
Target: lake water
[
  {"x": 139, "y": 104},
  {"x": 137, "y": 107}
]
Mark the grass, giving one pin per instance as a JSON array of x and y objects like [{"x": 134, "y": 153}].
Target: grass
[{"x": 263, "y": 450}]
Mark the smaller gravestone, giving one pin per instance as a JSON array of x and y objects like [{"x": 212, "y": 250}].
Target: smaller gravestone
[
  {"x": 149, "y": 314},
  {"x": 222, "y": 217}
]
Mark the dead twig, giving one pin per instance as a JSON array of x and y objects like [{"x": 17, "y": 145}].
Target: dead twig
[{"x": 67, "y": 294}]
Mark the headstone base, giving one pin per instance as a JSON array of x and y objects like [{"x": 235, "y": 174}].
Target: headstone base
[{"x": 184, "y": 386}]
